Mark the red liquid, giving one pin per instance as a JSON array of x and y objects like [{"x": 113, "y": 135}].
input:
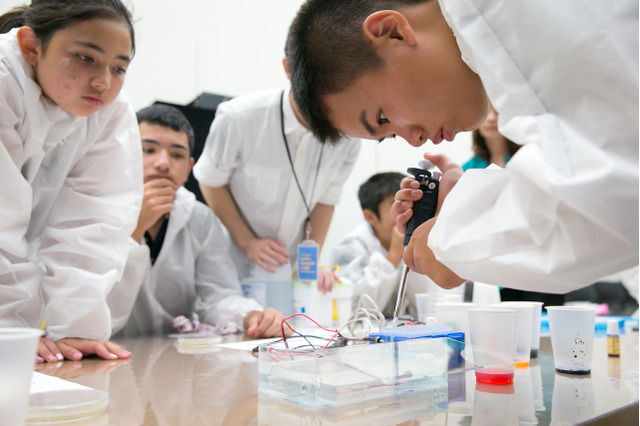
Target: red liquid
[{"x": 494, "y": 376}]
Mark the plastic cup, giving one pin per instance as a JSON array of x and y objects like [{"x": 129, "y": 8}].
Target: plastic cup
[
  {"x": 18, "y": 348},
  {"x": 494, "y": 405},
  {"x": 572, "y": 329},
  {"x": 422, "y": 306},
  {"x": 523, "y": 339},
  {"x": 524, "y": 397},
  {"x": 573, "y": 400},
  {"x": 455, "y": 315},
  {"x": 535, "y": 326},
  {"x": 536, "y": 383},
  {"x": 493, "y": 341}
]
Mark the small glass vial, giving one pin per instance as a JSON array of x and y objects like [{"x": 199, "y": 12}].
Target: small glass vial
[{"x": 613, "y": 338}]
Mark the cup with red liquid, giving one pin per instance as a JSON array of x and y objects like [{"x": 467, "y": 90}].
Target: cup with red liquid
[{"x": 493, "y": 344}]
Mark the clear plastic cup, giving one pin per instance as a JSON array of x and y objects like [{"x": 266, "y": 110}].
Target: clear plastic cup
[
  {"x": 572, "y": 329},
  {"x": 573, "y": 400},
  {"x": 423, "y": 306},
  {"x": 18, "y": 348},
  {"x": 494, "y": 405},
  {"x": 455, "y": 315},
  {"x": 492, "y": 335},
  {"x": 523, "y": 340}
]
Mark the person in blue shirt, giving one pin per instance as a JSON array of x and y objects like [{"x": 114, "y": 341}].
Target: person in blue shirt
[{"x": 489, "y": 145}]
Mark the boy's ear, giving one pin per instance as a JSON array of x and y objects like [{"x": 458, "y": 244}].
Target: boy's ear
[
  {"x": 370, "y": 217},
  {"x": 285, "y": 65},
  {"x": 29, "y": 45},
  {"x": 386, "y": 25}
]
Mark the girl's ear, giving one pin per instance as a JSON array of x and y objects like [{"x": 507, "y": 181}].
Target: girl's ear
[
  {"x": 388, "y": 25},
  {"x": 29, "y": 45}
]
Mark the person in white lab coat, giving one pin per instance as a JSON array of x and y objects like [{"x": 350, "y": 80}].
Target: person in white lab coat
[
  {"x": 180, "y": 263},
  {"x": 70, "y": 170},
  {"x": 246, "y": 175},
  {"x": 371, "y": 254},
  {"x": 564, "y": 78}
]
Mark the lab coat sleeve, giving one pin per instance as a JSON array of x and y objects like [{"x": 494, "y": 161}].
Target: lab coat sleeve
[
  {"x": 371, "y": 273},
  {"x": 16, "y": 271},
  {"x": 339, "y": 175},
  {"x": 123, "y": 295},
  {"x": 533, "y": 229},
  {"x": 84, "y": 243},
  {"x": 221, "y": 152},
  {"x": 564, "y": 212},
  {"x": 219, "y": 299}
]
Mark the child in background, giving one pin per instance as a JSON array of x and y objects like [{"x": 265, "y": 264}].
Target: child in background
[
  {"x": 371, "y": 255},
  {"x": 180, "y": 263},
  {"x": 70, "y": 168}
]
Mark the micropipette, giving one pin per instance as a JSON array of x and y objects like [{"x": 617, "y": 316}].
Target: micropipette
[{"x": 423, "y": 210}]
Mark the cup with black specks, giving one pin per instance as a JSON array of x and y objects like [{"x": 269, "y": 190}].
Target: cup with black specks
[{"x": 572, "y": 329}]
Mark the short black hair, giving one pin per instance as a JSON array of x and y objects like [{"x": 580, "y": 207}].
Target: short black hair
[
  {"x": 168, "y": 116},
  {"x": 327, "y": 51},
  {"x": 377, "y": 188}
]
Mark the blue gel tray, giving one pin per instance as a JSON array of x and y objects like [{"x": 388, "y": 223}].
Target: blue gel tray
[{"x": 418, "y": 331}]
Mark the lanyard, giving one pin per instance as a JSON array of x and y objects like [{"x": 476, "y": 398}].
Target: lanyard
[{"x": 295, "y": 176}]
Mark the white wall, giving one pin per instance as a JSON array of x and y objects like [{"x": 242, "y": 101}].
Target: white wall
[{"x": 234, "y": 47}]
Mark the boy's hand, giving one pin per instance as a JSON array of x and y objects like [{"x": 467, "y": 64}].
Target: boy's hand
[
  {"x": 419, "y": 258},
  {"x": 325, "y": 280},
  {"x": 75, "y": 349},
  {"x": 157, "y": 201},
  {"x": 267, "y": 253},
  {"x": 401, "y": 209},
  {"x": 451, "y": 173},
  {"x": 265, "y": 323},
  {"x": 396, "y": 247}
]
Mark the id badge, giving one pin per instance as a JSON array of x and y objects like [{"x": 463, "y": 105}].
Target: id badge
[{"x": 308, "y": 261}]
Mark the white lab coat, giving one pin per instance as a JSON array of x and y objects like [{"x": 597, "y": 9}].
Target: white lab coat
[
  {"x": 363, "y": 260},
  {"x": 72, "y": 188},
  {"x": 245, "y": 150},
  {"x": 564, "y": 78},
  {"x": 192, "y": 273}
]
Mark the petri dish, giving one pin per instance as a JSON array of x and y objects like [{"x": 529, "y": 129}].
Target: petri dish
[{"x": 66, "y": 405}]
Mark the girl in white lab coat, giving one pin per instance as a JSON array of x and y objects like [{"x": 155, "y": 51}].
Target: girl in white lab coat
[{"x": 71, "y": 171}]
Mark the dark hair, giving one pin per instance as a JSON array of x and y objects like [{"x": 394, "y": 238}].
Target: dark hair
[
  {"x": 327, "y": 51},
  {"x": 377, "y": 188},
  {"x": 480, "y": 148},
  {"x": 167, "y": 116},
  {"x": 46, "y": 17}
]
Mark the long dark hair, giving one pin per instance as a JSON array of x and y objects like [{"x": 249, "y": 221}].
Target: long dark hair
[
  {"x": 481, "y": 149},
  {"x": 46, "y": 17}
]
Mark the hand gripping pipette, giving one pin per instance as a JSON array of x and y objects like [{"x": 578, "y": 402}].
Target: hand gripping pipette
[{"x": 423, "y": 210}]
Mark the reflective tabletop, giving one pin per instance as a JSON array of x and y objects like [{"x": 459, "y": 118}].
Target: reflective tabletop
[{"x": 161, "y": 385}]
